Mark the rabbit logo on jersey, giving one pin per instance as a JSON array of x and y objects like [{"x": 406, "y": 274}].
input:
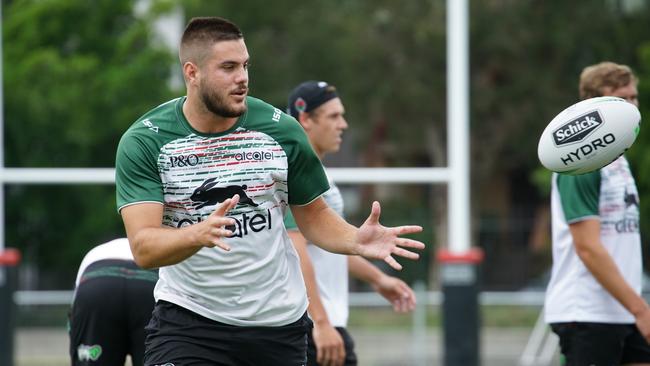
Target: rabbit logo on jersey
[{"x": 207, "y": 194}]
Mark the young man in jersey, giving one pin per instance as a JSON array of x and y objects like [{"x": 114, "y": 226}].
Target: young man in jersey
[
  {"x": 318, "y": 108},
  {"x": 203, "y": 183},
  {"x": 593, "y": 300},
  {"x": 113, "y": 300}
]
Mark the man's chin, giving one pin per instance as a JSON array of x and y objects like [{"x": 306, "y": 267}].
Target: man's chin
[
  {"x": 239, "y": 108},
  {"x": 239, "y": 111},
  {"x": 334, "y": 149},
  {"x": 230, "y": 112}
]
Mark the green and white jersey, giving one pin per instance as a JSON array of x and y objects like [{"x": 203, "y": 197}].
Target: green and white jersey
[
  {"x": 610, "y": 196},
  {"x": 330, "y": 269},
  {"x": 266, "y": 159}
]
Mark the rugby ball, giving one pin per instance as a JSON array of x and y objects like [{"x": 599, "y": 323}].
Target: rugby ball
[{"x": 588, "y": 135}]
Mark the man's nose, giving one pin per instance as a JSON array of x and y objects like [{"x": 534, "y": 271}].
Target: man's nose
[{"x": 242, "y": 76}]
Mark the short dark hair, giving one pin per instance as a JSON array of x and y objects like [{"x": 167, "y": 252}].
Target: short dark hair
[
  {"x": 203, "y": 31},
  {"x": 595, "y": 78}
]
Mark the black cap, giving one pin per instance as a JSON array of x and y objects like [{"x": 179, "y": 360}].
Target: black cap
[{"x": 308, "y": 96}]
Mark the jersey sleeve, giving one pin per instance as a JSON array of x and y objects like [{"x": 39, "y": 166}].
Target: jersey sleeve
[
  {"x": 306, "y": 176},
  {"x": 579, "y": 195},
  {"x": 136, "y": 173},
  {"x": 290, "y": 221}
]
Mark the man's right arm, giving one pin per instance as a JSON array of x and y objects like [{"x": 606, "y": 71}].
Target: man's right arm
[
  {"x": 586, "y": 237},
  {"x": 156, "y": 246}
]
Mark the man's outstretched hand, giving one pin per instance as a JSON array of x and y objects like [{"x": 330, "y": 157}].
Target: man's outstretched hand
[{"x": 379, "y": 242}]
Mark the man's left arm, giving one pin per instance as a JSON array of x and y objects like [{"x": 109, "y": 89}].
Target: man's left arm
[{"x": 323, "y": 227}]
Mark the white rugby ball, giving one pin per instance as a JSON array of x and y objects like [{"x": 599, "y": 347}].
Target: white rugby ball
[{"x": 588, "y": 135}]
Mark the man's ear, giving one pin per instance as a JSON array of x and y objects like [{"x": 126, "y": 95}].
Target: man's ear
[
  {"x": 304, "y": 120},
  {"x": 190, "y": 72}
]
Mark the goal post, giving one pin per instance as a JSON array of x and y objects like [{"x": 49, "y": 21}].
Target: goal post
[{"x": 458, "y": 260}]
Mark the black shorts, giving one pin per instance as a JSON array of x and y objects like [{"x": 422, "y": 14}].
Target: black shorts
[
  {"x": 180, "y": 337},
  {"x": 601, "y": 344},
  {"x": 350, "y": 355},
  {"x": 112, "y": 305}
]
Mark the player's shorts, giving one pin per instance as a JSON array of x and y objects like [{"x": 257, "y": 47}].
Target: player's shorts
[
  {"x": 601, "y": 344},
  {"x": 177, "y": 336},
  {"x": 111, "y": 307},
  {"x": 350, "y": 355}
]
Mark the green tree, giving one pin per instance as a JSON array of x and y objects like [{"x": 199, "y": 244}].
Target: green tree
[
  {"x": 76, "y": 75},
  {"x": 526, "y": 60},
  {"x": 91, "y": 68}
]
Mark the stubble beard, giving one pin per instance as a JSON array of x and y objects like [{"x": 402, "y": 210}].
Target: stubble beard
[{"x": 216, "y": 104}]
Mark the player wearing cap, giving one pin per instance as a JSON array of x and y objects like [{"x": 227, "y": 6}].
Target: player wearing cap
[
  {"x": 318, "y": 108},
  {"x": 113, "y": 300}
]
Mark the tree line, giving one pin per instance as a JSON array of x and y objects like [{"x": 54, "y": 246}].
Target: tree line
[{"x": 78, "y": 73}]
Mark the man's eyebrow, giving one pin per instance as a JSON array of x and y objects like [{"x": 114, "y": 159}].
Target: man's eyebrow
[{"x": 235, "y": 61}]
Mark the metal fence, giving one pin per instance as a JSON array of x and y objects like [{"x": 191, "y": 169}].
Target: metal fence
[{"x": 365, "y": 299}]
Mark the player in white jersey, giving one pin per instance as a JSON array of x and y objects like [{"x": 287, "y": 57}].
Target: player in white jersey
[
  {"x": 113, "y": 300},
  {"x": 593, "y": 300},
  {"x": 320, "y": 111},
  {"x": 203, "y": 182}
]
